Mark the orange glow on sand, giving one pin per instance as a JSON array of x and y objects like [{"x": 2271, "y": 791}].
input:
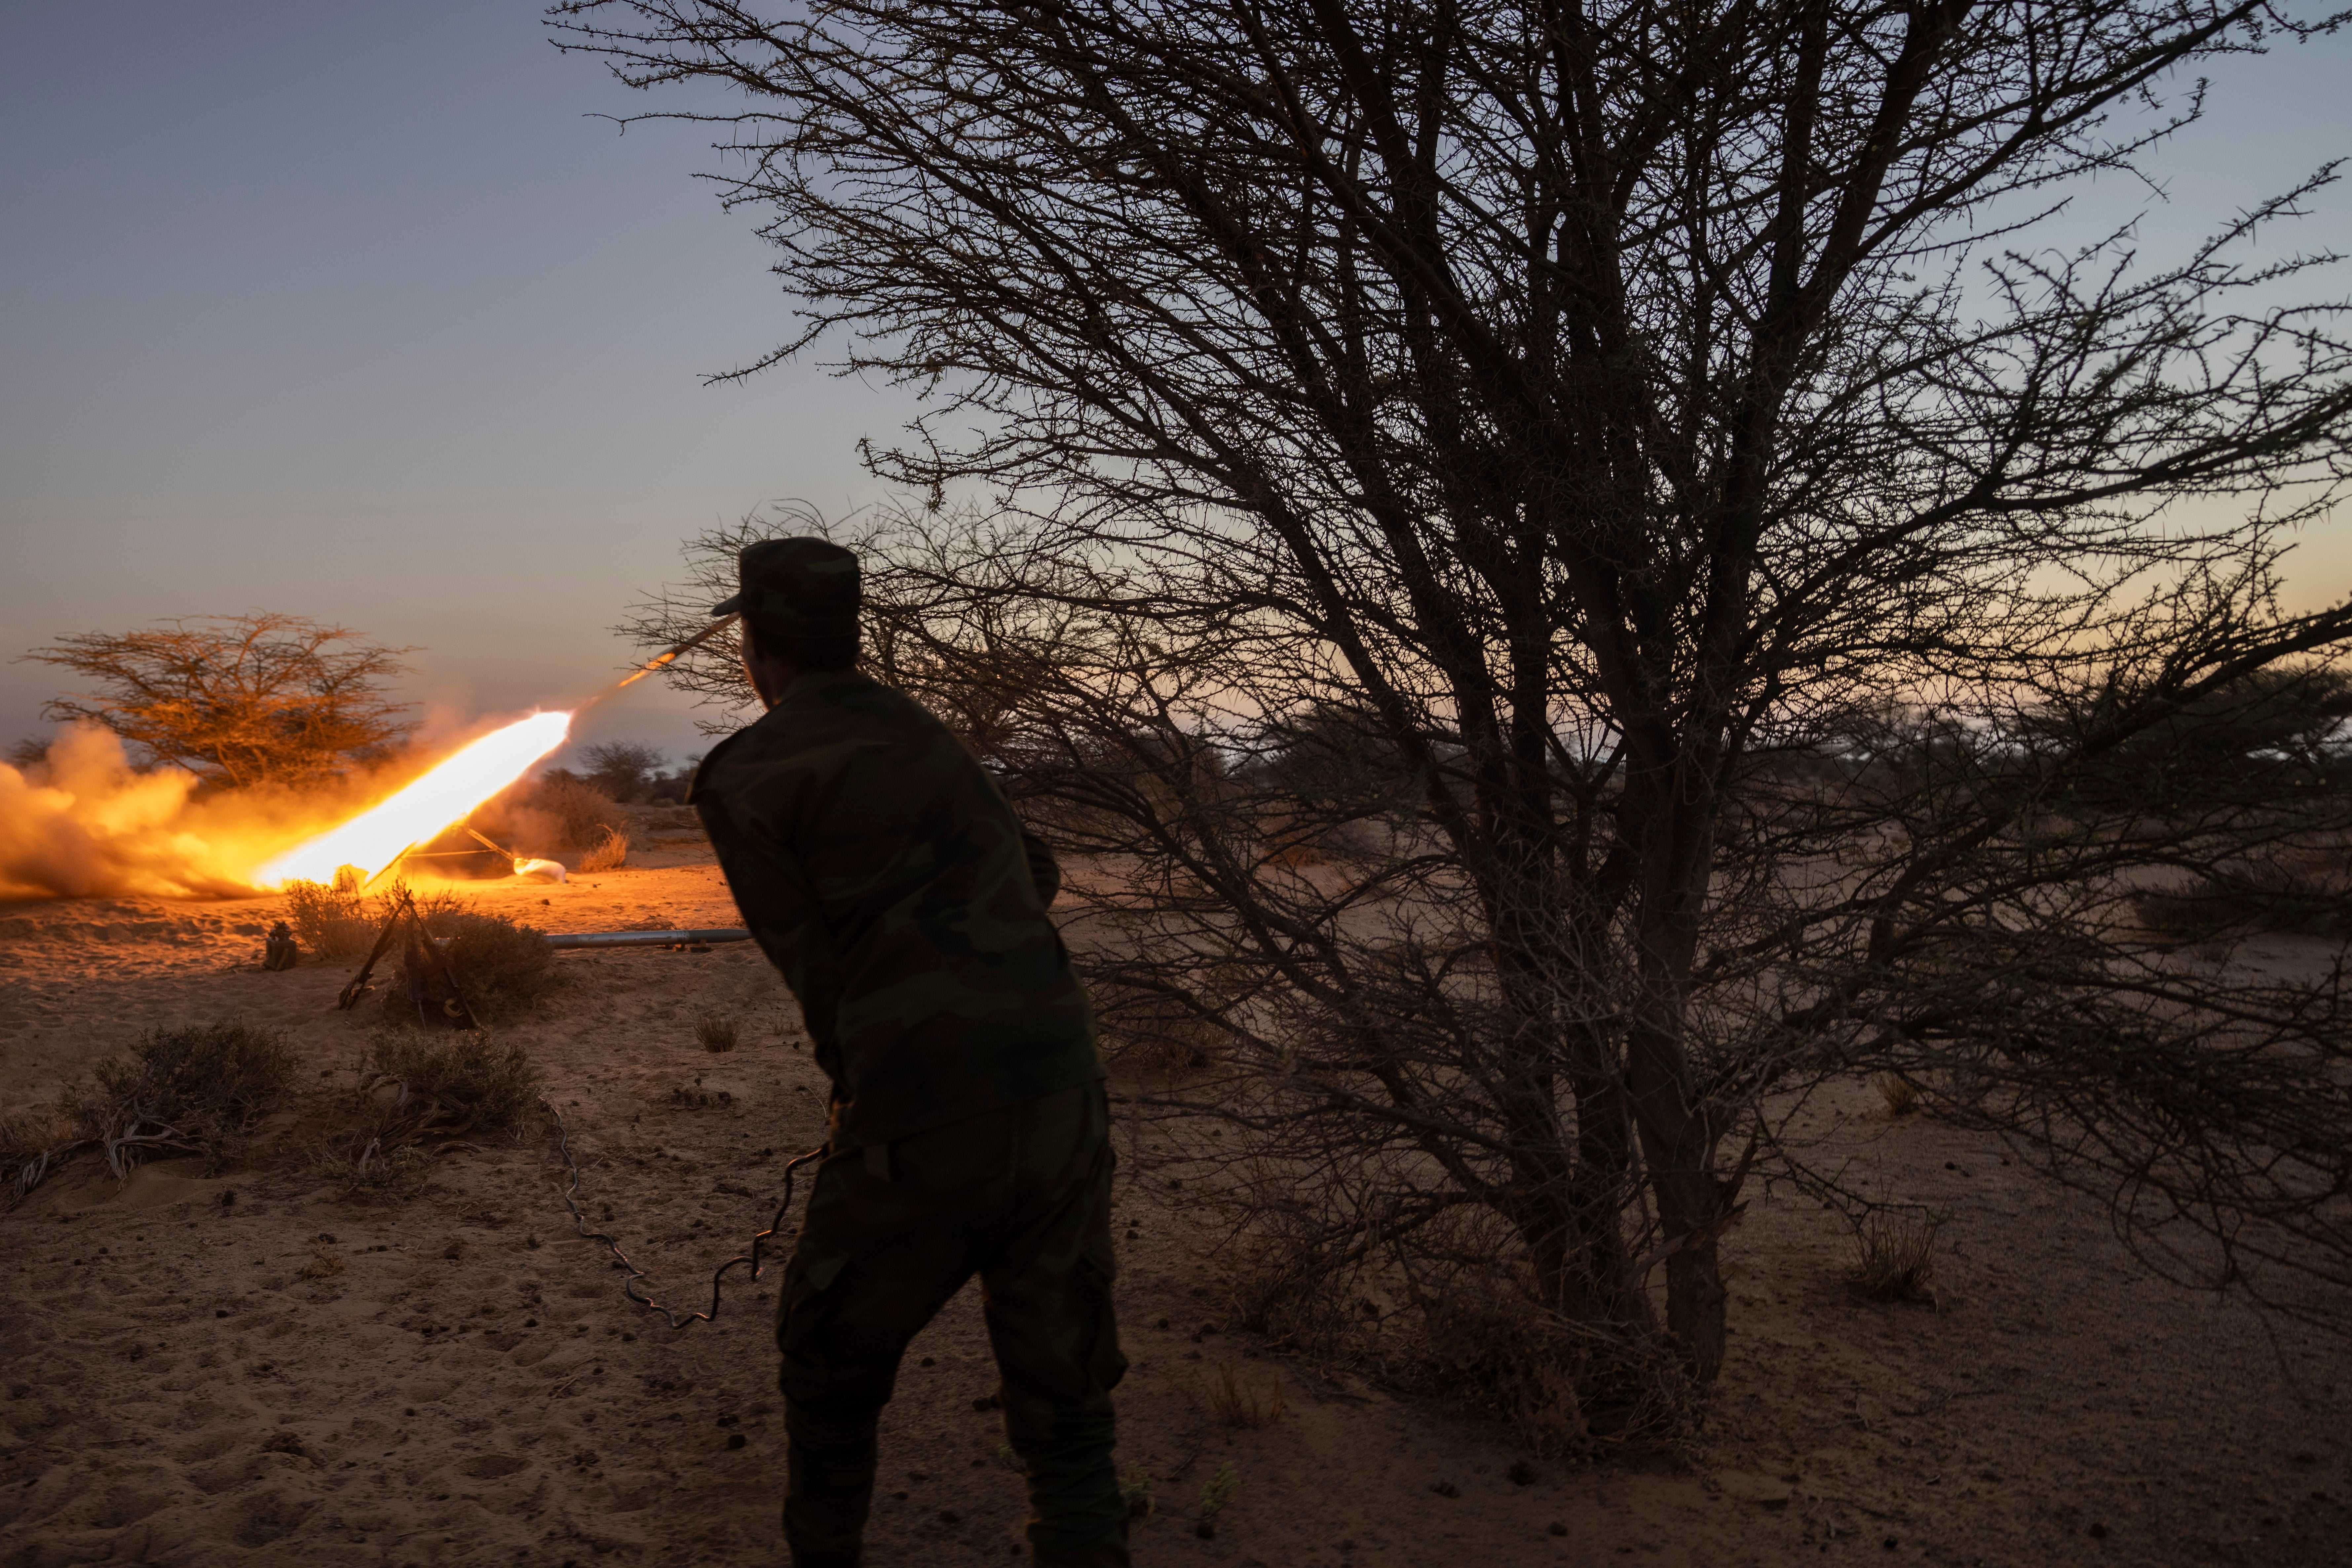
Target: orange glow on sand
[{"x": 454, "y": 786}]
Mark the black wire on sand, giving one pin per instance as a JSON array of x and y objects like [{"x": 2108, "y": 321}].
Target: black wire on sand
[{"x": 629, "y": 1285}]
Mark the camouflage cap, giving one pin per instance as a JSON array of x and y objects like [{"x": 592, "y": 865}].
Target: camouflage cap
[{"x": 796, "y": 587}]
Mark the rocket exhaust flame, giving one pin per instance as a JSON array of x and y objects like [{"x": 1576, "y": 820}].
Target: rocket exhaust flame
[
  {"x": 455, "y": 785},
  {"x": 84, "y": 822}
]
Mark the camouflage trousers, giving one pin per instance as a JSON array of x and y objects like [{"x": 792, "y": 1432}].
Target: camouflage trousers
[{"x": 1020, "y": 1197}]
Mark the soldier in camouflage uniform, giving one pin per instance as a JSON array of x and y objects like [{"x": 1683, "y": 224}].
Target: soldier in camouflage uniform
[{"x": 886, "y": 877}]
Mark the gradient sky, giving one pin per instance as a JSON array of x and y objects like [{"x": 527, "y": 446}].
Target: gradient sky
[{"x": 353, "y": 311}]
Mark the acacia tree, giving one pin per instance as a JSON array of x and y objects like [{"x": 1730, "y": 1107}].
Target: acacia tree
[
  {"x": 623, "y": 769},
  {"x": 239, "y": 700},
  {"x": 1643, "y": 439}
]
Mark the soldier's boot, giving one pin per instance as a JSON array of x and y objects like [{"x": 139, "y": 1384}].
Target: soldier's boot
[
  {"x": 1108, "y": 1555},
  {"x": 1077, "y": 1516},
  {"x": 828, "y": 1487}
]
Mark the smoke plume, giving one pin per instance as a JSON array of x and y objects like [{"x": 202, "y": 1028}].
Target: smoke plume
[{"x": 82, "y": 823}]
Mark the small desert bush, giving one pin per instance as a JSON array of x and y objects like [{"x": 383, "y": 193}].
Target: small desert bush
[
  {"x": 2310, "y": 893},
  {"x": 576, "y": 813},
  {"x": 1483, "y": 1342},
  {"x": 418, "y": 1088},
  {"x": 1894, "y": 1256},
  {"x": 332, "y": 922},
  {"x": 199, "y": 1089},
  {"x": 454, "y": 1083},
  {"x": 503, "y": 967},
  {"x": 717, "y": 1032}
]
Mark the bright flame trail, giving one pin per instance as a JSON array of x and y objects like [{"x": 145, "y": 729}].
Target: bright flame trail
[{"x": 455, "y": 786}]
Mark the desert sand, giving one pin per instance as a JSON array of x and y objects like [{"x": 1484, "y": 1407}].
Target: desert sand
[{"x": 250, "y": 1367}]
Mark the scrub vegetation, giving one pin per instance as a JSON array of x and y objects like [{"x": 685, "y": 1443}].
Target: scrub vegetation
[{"x": 198, "y": 1089}]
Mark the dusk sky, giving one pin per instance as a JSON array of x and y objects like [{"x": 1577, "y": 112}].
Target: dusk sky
[{"x": 355, "y": 311}]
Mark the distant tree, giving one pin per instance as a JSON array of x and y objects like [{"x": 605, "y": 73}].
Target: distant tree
[
  {"x": 624, "y": 770},
  {"x": 239, "y": 700}
]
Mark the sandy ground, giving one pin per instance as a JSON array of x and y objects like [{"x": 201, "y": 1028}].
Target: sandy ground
[{"x": 251, "y": 1368}]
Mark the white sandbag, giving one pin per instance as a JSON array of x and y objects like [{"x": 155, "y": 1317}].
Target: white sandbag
[{"x": 539, "y": 870}]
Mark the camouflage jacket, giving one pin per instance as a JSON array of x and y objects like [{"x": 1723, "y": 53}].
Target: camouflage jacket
[{"x": 887, "y": 878}]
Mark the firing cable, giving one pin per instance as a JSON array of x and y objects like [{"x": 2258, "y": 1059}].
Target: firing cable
[{"x": 629, "y": 1285}]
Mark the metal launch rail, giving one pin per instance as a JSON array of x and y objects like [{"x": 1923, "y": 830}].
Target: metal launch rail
[{"x": 701, "y": 938}]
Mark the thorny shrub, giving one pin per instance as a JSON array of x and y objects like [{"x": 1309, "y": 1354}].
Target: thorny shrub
[
  {"x": 415, "y": 1088},
  {"x": 501, "y": 967},
  {"x": 458, "y": 1083},
  {"x": 199, "y": 1088},
  {"x": 330, "y": 922},
  {"x": 504, "y": 966}
]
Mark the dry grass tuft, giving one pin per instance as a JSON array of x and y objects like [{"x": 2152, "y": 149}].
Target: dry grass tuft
[
  {"x": 367, "y": 1164},
  {"x": 25, "y": 1134},
  {"x": 1153, "y": 1030},
  {"x": 1235, "y": 1403},
  {"x": 718, "y": 1032},
  {"x": 1286, "y": 1290},
  {"x": 31, "y": 1140},
  {"x": 609, "y": 853},
  {"x": 332, "y": 922},
  {"x": 1895, "y": 1256},
  {"x": 1901, "y": 1095},
  {"x": 323, "y": 1264}
]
